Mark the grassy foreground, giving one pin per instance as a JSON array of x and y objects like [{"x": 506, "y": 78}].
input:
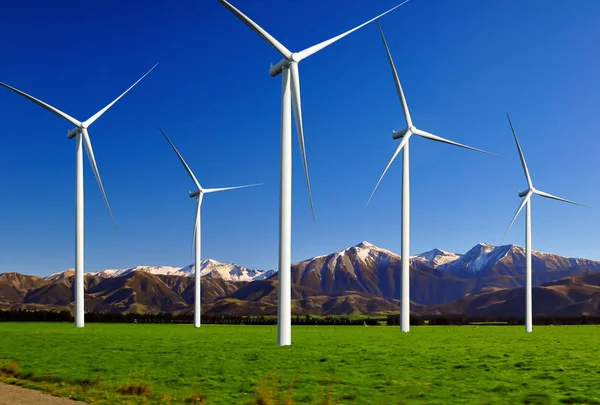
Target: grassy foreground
[{"x": 325, "y": 365}]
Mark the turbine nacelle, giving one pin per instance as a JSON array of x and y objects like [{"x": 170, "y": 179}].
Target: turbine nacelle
[
  {"x": 525, "y": 192},
  {"x": 400, "y": 134},
  {"x": 74, "y": 132},
  {"x": 284, "y": 63},
  {"x": 195, "y": 193}
]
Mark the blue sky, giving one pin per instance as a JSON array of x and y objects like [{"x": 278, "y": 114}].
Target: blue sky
[{"x": 463, "y": 64}]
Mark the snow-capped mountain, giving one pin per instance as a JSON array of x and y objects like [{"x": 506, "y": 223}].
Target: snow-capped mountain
[
  {"x": 209, "y": 269},
  {"x": 485, "y": 260},
  {"x": 481, "y": 256},
  {"x": 436, "y": 257},
  {"x": 60, "y": 275},
  {"x": 358, "y": 268},
  {"x": 436, "y": 275},
  {"x": 368, "y": 269},
  {"x": 231, "y": 272},
  {"x": 362, "y": 278}
]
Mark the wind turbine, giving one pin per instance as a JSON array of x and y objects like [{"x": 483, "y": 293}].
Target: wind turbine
[
  {"x": 198, "y": 194},
  {"x": 526, "y": 195},
  {"x": 81, "y": 134},
  {"x": 405, "y": 135},
  {"x": 290, "y": 96}
]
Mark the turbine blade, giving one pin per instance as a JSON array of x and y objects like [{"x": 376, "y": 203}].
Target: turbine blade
[
  {"x": 297, "y": 106},
  {"x": 90, "y": 153},
  {"x": 396, "y": 81},
  {"x": 94, "y": 117},
  {"x": 44, "y": 105},
  {"x": 195, "y": 226},
  {"x": 216, "y": 190},
  {"x": 256, "y": 28},
  {"x": 316, "y": 48},
  {"x": 444, "y": 140},
  {"x": 187, "y": 168},
  {"x": 516, "y": 215},
  {"x": 520, "y": 153},
  {"x": 553, "y": 197},
  {"x": 398, "y": 149}
]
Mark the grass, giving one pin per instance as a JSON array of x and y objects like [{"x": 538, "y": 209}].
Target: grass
[{"x": 218, "y": 365}]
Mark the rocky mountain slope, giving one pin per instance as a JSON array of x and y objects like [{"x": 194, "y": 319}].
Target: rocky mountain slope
[{"x": 570, "y": 296}]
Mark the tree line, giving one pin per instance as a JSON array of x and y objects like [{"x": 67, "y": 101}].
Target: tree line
[
  {"x": 114, "y": 317},
  {"x": 512, "y": 320}
]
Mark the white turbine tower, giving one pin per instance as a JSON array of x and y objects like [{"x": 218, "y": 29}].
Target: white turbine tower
[
  {"x": 198, "y": 194},
  {"x": 81, "y": 134},
  {"x": 288, "y": 68},
  {"x": 406, "y": 134},
  {"x": 526, "y": 195}
]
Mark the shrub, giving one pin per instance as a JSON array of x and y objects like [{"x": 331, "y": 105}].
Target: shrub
[{"x": 139, "y": 390}]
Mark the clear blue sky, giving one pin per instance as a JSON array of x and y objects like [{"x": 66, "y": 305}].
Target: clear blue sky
[{"x": 463, "y": 64}]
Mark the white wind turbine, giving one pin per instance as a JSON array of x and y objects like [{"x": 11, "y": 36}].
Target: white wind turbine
[
  {"x": 81, "y": 134},
  {"x": 526, "y": 195},
  {"x": 405, "y": 134},
  {"x": 288, "y": 68},
  {"x": 198, "y": 194}
]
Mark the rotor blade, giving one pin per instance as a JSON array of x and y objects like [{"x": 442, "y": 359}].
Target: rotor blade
[
  {"x": 396, "y": 80},
  {"x": 92, "y": 159},
  {"x": 216, "y": 190},
  {"x": 195, "y": 225},
  {"x": 444, "y": 140},
  {"x": 520, "y": 153},
  {"x": 187, "y": 168},
  {"x": 516, "y": 215},
  {"x": 44, "y": 105},
  {"x": 94, "y": 117},
  {"x": 553, "y": 197},
  {"x": 398, "y": 149},
  {"x": 256, "y": 28},
  {"x": 316, "y": 48},
  {"x": 297, "y": 106}
]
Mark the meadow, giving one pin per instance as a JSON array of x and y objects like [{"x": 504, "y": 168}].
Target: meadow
[{"x": 237, "y": 364}]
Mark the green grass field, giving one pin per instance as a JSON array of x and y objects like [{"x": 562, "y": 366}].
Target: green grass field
[{"x": 328, "y": 365}]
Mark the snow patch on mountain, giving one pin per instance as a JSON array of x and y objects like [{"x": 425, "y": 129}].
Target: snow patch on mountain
[
  {"x": 436, "y": 257},
  {"x": 232, "y": 272},
  {"x": 479, "y": 257},
  {"x": 208, "y": 269},
  {"x": 60, "y": 275}
]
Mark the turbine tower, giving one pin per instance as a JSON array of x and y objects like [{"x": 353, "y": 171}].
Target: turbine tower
[
  {"x": 80, "y": 133},
  {"x": 290, "y": 96},
  {"x": 198, "y": 194},
  {"x": 405, "y": 135},
  {"x": 526, "y": 195}
]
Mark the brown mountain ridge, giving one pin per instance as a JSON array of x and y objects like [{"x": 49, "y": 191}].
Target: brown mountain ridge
[{"x": 486, "y": 281}]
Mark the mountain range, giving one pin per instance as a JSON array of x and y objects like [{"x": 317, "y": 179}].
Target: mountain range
[
  {"x": 208, "y": 269},
  {"x": 486, "y": 281}
]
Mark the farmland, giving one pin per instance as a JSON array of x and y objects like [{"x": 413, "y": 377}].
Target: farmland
[{"x": 233, "y": 364}]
